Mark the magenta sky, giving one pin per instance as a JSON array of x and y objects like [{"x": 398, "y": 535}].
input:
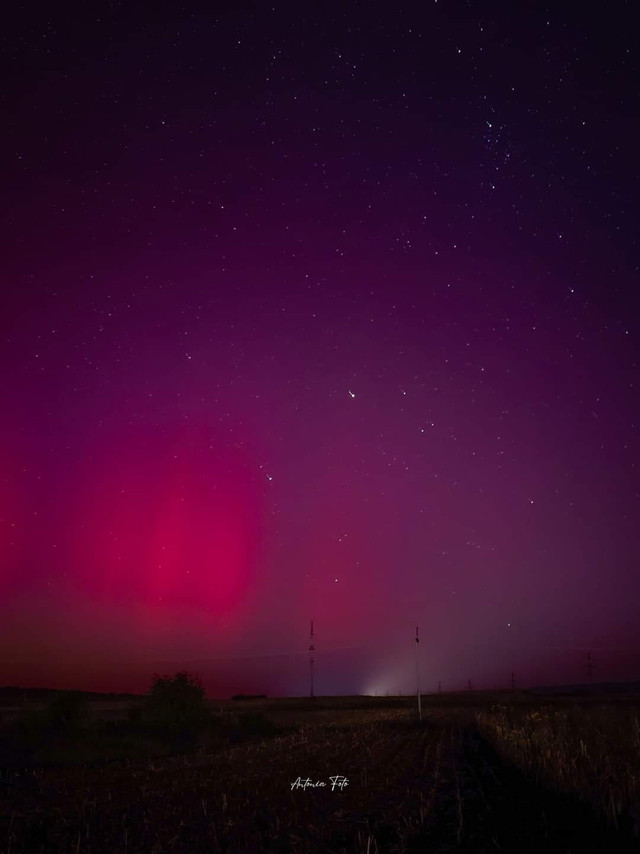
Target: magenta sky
[{"x": 319, "y": 311}]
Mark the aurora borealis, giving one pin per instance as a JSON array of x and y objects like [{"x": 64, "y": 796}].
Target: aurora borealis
[{"x": 319, "y": 311}]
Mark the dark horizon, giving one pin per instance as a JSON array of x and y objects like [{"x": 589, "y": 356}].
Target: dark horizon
[
  {"x": 297, "y": 674},
  {"x": 596, "y": 688},
  {"x": 319, "y": 312}
]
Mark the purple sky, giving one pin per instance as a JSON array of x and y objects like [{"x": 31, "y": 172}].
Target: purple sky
[{"x": 319, "y": 311}]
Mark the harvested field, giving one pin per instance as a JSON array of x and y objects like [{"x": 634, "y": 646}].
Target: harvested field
[{"x": 435, "y": 785}]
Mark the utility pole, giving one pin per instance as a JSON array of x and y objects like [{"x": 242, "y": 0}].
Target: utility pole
[
  {"x": 312, "y": 649},
  {"x": 590, "y": 666},
  {"x": 418, "y": 676},
  {"x": 513, "y": 681}
]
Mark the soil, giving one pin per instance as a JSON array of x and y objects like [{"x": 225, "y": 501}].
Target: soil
[{"x": 413, "y": 786}]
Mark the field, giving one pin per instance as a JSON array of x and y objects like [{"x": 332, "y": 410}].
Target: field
[{"x": 479, "y": 773}]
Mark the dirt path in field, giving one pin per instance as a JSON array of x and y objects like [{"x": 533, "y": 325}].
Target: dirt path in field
[{"x": 433, "y": 788}]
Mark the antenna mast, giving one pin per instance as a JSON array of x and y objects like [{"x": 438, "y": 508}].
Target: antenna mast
[
  {"x": 312, "y": 649},
  {"x": 590, "y": 666},
  {"x": 418, "y": 675}
]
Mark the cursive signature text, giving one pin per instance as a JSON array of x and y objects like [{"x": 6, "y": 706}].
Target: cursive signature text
[{"x": 337, "y": 782}]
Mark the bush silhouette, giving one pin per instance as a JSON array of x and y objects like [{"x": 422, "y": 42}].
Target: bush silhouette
[{"x": 177, "y": 702}]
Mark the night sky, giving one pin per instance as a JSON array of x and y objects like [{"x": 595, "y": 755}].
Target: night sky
[{"x": 319, "y": 311}]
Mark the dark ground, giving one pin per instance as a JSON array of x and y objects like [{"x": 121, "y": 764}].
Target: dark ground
[{"x": 434, "y": 786}]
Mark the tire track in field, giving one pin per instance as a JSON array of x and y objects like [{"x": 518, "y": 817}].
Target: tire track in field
[{"x": 484, "y": 805}]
